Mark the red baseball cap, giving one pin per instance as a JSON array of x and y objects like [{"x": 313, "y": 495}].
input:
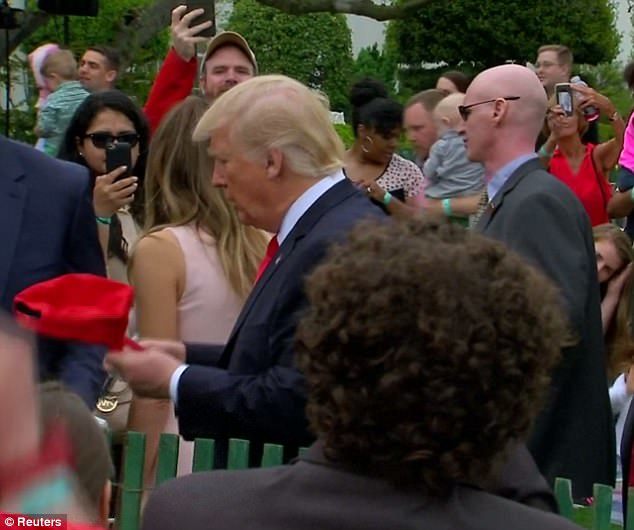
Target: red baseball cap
[{"x": 77, "y": 307}]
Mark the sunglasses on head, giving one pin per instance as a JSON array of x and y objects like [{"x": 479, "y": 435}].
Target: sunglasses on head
[
  {"x": 465, "y": 110},
  {"x": 103, "y": 139}
]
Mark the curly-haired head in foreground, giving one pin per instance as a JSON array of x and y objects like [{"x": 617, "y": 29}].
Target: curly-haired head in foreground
[{"x": 426, "y": 349}]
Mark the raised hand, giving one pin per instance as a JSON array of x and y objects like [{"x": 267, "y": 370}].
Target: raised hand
[
  {"x": 110, "y": 194},
  {"x": 184, "y": 38}
]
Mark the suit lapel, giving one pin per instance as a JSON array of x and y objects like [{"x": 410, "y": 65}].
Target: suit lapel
[
  {"x": 335, "y": 195},
  {"x": 12, "y": 199},
  {"x": 496, "y": 203}
]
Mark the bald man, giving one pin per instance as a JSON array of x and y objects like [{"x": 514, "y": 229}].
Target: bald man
[{"x": 540, "y": 218}]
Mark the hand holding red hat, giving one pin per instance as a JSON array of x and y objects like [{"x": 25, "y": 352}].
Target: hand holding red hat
[{"x": 148, "y": 375}]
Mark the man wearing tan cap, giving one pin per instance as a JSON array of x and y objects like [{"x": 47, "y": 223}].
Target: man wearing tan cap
[{"x": 228, "y": 61}]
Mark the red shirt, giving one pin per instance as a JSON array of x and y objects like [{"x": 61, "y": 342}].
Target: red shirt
[
  {"x": 173, "y": 84},
  {"x": 589, "y": 184}
]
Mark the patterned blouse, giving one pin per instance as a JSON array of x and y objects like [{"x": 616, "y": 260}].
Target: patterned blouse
[{"x": 401, "y": 174}]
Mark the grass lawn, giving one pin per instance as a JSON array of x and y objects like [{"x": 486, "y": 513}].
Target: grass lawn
[{"x": 583, "y": 517}]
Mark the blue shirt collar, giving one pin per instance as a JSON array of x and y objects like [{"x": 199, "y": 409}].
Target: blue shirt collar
[{"x": 499, "y": 179}]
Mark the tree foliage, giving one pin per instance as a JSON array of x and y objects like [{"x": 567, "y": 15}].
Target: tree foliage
[
  {"x": 367, "y": 8},
  {"x": 376, "y": 63},
  {"x": 315, "y": 49},
  {"x": 114, "y": 26},
  {"x": 484, "y": 33}
]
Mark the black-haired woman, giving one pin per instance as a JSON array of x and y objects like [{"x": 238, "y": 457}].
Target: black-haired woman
[
  {"x": 104, "y": 118},
  {"x": 372, "y": 162}
]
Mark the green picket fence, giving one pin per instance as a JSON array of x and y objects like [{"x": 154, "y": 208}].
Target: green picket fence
[
  {"x": 131, "y": 486},
  {"x": 595, "y": 517}
]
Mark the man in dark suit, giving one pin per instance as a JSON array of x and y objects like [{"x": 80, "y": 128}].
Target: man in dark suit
[
  {"x": 48, "y": 228},
  {"x": 279, "y": 161},
  {"x": 399, "y": 395},
  {"x": 540, "y": 218}
]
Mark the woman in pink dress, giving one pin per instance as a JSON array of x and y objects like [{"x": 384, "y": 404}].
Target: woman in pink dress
[{"x": 194, "y": 264}]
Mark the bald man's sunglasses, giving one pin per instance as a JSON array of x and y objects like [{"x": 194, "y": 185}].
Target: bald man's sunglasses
[{"x": 465, "y": 110}]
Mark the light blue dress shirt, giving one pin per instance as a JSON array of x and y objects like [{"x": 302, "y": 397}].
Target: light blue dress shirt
[{"x": 499, "y": 179}]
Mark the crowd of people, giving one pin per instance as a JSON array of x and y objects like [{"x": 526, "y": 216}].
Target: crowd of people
[{"x": 447, "y": 335}]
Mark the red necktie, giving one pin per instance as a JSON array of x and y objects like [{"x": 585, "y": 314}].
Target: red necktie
[{"x": 271, "y": 250}]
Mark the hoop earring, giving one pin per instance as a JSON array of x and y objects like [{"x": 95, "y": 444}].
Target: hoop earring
[{"x": 363, "y": 147}]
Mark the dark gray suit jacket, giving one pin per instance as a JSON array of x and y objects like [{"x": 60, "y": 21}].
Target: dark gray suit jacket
[
  {"x": 314, "y": 494},
  {"x": 541, "y": 219}
]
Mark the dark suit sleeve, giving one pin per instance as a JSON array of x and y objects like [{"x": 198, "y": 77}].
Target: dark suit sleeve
[
  {"x": 83, "y": 251},
  {"x": 268, "y": 404},
  {"x": 215, "y": 403},
  {"x": 203, "y": 354},
  {"x": 542, "y": 229},
  {"x": 81, "y": 367}
]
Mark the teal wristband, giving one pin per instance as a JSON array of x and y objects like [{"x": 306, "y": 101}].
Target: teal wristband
[
  {"x": 387, "y": 198},
  {"x": 446, "y": 207},
  {"x": 104, "y": 220},
  {"x": 542, "y": 152}
]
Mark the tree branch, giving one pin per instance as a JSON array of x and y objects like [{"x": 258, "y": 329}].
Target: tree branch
[
  {"x": 366, "y": 8},
  {"x": 32, "y": 21},
  {"x": 146, "y": 23}
]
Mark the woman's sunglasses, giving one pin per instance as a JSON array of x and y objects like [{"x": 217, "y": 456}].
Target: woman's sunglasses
[{"x": 103, "y": 139}]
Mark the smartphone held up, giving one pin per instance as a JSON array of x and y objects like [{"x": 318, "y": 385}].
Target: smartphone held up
[
  {"x": 209, "y": 14},
  {"x": 119, "y": 154},
  {"x": 564, "y": 97}
]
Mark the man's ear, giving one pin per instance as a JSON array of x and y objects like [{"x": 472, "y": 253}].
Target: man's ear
[
  {"x": 500, "y": 108},
  {"x": 274, "y": 162},
  {"x": 111, "y": 76}
]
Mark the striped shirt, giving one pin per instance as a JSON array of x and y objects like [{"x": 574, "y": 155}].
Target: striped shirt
[{"x": 54, "y": 118}]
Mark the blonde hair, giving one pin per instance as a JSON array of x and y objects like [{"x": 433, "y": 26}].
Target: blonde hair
[
  {"x": 448, "y": 108},
  {"x": 62, "y": 63},
  {"x": 564, "y": 55},
  {"x": 620, "y": 347},
  {"x": 179, "y": 191},
  {"x": 322, "y": 97},
  {"x": 277, "y": 112}
]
